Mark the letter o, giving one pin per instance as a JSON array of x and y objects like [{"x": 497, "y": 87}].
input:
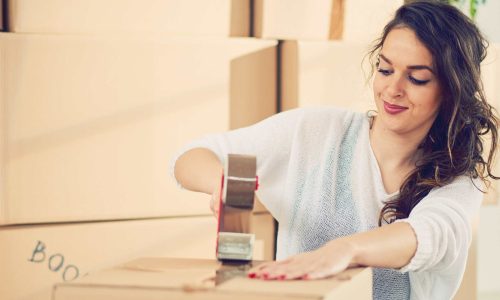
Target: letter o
[
  {"x": 69, "y": 267},
  {"x": 59, "y": 266}
]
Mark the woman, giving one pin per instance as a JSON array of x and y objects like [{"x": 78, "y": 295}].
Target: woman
[{"x": 395, "y": 191}]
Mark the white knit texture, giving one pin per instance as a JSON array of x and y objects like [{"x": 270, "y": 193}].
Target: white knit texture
[{"x": 320, "y": 180}]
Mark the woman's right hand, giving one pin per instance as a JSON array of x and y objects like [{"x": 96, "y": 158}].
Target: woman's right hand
[{"x": 215, "y": 199}]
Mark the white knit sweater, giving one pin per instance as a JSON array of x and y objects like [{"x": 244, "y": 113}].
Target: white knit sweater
[{"x": 319, "y": 178}]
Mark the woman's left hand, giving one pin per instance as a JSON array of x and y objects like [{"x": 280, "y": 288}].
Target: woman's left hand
[{"x": 331, "y": 259}]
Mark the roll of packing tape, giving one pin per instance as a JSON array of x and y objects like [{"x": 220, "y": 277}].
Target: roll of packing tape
[{"x": 239, "y": 182}]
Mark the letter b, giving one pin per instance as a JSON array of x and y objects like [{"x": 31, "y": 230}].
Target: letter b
[{"x": 38, "y": 254}]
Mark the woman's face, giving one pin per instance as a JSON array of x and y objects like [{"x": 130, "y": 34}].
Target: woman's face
[{"x": 406, "y": 89}]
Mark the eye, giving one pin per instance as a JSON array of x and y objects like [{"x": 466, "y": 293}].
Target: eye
[
  {"x": 385, "y": 72},
  {"x": 417, "y": 81}
]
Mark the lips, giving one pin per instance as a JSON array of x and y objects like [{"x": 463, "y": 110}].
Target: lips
[{"x": 394, "y": 109}]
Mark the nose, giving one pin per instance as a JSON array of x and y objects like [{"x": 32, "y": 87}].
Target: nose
[{"x": 395, "y": 86}]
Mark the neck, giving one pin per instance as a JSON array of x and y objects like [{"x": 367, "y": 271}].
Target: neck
[{"x": 393, "y": 149}]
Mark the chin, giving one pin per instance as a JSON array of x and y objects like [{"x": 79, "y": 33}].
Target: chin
[{"x": 390, "y": 123}]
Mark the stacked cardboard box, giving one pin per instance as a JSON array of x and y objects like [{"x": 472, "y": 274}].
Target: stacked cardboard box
[
  {"x": 90, "y": 122},
  {"x": 33, "y": 258},
  {"x": 314, "y": 69},
  {"x": 491, "y": 77},
  {"x": 165, "y": 17},
  {"x": 325, "y": 73},
  {"x": 352, "y": 20},
  {"x": 96, "y": 97}
]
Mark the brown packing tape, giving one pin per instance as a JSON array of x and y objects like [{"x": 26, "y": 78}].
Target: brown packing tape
[
  {"x": 242, "y": 166},
  {"x": 234, "y": 242},
  {"x": 235, "y": 220},
  {"x": 240, "y": 181}
]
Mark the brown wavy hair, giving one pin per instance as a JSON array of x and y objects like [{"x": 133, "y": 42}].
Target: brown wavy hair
[{"x": 455, "y": 142}]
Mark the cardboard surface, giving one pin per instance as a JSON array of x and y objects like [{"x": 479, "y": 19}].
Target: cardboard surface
[
  {"x": 365, "y": 20},
  {"x": 325, "y": 73},
  {"x": 490, "y": 71},
  {"x": 221, "y": 18},
  {"x": 302, "y": 19},
  {"x": 33, "y": 258},
  {"x": 468, "y": 287},
  {"x": 90, "y": 123},
  {"x": 157, "y": 278},
  {"x": 350, "y": 20}
]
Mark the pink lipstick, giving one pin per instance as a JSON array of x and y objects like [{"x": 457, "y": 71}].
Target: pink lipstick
[{"x": 393, "y": 109}]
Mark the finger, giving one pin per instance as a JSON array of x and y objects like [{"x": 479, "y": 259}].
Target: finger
[
  {"x": 211, "y": 204},
  {"x": 280, "y": 269},
  {"x": 299, "y": 270},
  {"x": 276, "y": 271},
  {"x": 263, "y": 273},
  {"x": 258, "y": 268},
  {"x": 266, "y": 264},
  {"x": 215, "y": 208}
]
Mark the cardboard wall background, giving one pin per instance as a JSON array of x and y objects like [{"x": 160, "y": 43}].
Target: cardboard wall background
[
  {"x": 352, "y": 20},
  {"x": 222, "y": 18},
  {"x": 90, "y": 123}
]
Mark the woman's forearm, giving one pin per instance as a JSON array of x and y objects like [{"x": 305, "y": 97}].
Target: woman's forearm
[
  {"x": 389, "y": 246},
  {"x": 198, "y": 170}
]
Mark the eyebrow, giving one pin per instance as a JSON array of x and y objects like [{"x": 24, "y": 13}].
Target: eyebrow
[{"x": 414, "y": 67}]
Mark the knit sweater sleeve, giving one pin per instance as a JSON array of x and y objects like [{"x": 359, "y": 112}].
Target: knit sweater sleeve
[
  {"x": 442, "y": 225},
  {"x": 269, "y": 140}
]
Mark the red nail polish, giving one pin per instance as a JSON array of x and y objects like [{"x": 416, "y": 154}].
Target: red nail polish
[
  {"x": 305, "y": 277},
  {"x": 252, "y": 275},
  {"x": 282, "y": 277},
  {"x": 265, "y": 275}
]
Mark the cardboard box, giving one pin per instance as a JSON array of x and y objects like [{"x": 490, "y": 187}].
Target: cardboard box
[
  {"x": 325, "y": 73},
  {"x": 34, "y": 258},
  {"x": 468, "y": 288},
  {"x": 364, "y": 21},
  {"x": 90, "y": 123},
  {"x": 300, "y": 19},
  {"x": 156, "y": 278},
  {"x": 352, "y": 20},
  {"x": 221, "y": 18},
  {"x": 490, "y": 72}
]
